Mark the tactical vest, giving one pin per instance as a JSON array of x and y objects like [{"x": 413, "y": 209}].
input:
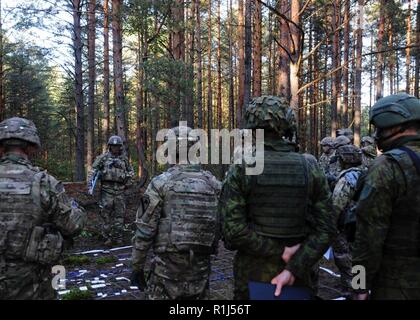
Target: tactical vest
[
  {"x": 189, "y": 219},
  {"x": 351, "y": 176},
  {"x": 114, "y": 170},
  {"x": 401, "y": 253},
  {"x": 20, "y": 209},
  {"x": 278, "y": 201}
]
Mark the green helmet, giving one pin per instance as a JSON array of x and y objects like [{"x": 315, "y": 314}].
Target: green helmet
[
  {"x": 272, "y": 113},
  {"x": 327, "y": 141},
  {"x": 345, "y": 132},
  {"x": 395, "y": 110},
  {"x": 367, "y": 140},
  {"x": 115, "y": 141},
  {"x": 15, "y": 130},
  {"x": 349, "y": 154},
  {"x": 341, "y": 141}
]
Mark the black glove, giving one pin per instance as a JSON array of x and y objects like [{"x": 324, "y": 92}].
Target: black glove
[{"x": 137, "y": 279}]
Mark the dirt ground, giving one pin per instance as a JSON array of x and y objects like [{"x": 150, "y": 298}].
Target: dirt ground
[{"x": 100, "y": 273}]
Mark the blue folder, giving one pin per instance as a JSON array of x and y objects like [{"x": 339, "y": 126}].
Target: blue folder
[{"x": 265, "y": 291}]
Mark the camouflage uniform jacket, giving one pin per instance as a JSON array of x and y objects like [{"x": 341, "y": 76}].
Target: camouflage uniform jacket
[
  {"x": 324, "y": 161},
  {"x": 368, "y": 155},
  {"x": 383, "y": 186},
  {"x": 178, "y": 266},
  {"x": 124, "y": 173},
  {"x": 264, "y": 252},
  {"x": 20, "y": 279}
]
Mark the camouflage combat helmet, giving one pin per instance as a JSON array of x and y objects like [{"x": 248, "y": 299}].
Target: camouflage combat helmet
[
  {"x": 395, "y": 110},
  {"x": 344, "y": 132},
  {"x": 327, "y": 141},
  {"x": 115, "y": 141},
  {"x": 270, "y": 112},
  {"x": 367, "y": 140},
  {"x": 349, "y": 154},
  {"x": 15, "y": 130},
  {"x": 341, "y": 141}
]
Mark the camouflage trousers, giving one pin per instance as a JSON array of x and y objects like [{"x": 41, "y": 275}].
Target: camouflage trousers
[
  {"x": 342, "y": 259},
  {"x": 112, "y": 214},
  {"x": 25, "y": 281},
  {"x": 159, "y": 288}
]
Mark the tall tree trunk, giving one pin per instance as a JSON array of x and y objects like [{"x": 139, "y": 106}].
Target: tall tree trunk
[
  {"x": 407, "y": 51},
  {"x": 358, "y": 75},
  {"x": 346, "y": 63},
  {"x": 209, "y": 87},
  {"x": 417, "y": 70},
  {"x": 142, "y": 53},
  {"x": 199, "y": 66},
  {"x": 219, "y": 70},
  {"x": 106, "y": 117},
  {"x": 270, "y": 54},
  {"x": 92, "y": 79},
  {"x": 248, "y": 52},
  {"x": 296, "y": 52},
  {"x": 178, "y": 51},
  {"x": 78, "y": 90},
  {"x": 189, "y": 99},
  {"x": 335, "y": 90},
  {"x": 284, "y": 59},
  {"x": 231, "y": 81},
  {"x": 257, "y": 59},
  {"x": 118, "y": 69},
  {"x": 241, "y": 62},
  {"x": 380, "y": 56}
]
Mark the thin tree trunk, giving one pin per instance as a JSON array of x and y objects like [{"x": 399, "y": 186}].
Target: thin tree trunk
[
  {"x": 118, "y": 69},
  {"x": 80, "y": 118},
  {"x": 257, "y": 59},
  {"x": 178, "y": 51},
  {"x": 358, "y": 76},
  {"x": 284, "y": 59},
  {"x": 248, "y": 52},
  {"x": 209, "y": 80},
  {"x": 219, "y": 70},
  {"x": 391, "y": 66},
  {"x": 106, "y": 117},
  {"x": 199, "y": 66},
  {"x": 189, "y": 99},
  {"x": 231, "y": 80},
  {"x": 346, "y": 61},
  {"x": 335, "y": 90},
  {"x": 142, "y": 52},
  {"x": 241, "y": 58},
  {"x": 296, "y": 54},
  {"x": 270, "y": 54},
  {"x": 92, "y": 80},
  {"x": 380, "y": 55},
  {"x": 407, "y": 51}
]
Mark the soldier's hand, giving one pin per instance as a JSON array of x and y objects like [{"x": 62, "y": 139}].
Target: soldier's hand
[
  {"x": 285, "y": 278},
  {"x": 289, "y": 252},
  {"x": 137, "y": 279}
]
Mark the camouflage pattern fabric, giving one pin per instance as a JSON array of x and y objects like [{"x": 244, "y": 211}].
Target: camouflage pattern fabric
[
  {"x": 175, "y": 273},
  {"x": 392, "y": 275},
  {"x": 116, "y": 174},
  {"x": 32, "y": 280},
  {"x": 258, "y": 257},
  {"x": 368, "y": 155},
  {"x": 324, "y": 161}
]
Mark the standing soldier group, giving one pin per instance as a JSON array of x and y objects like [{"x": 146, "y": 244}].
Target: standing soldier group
[{"x": 280, "y": 222}]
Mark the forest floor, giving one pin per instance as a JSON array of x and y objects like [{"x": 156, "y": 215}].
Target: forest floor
[{"x": 94, "y": 271}]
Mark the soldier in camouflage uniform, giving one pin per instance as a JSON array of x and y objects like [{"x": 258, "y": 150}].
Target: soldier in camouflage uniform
[
  {"x": 368, "y": 151},
  {"x": 346, "y": 132},
  {"x": 281, "y": 219},
  {"x": 36, "y": 216},
  {"x": 335, "y": 168},
  {"x": 115, "y": 173},
  {"x": 327, "y": 145},
  {"x": 350, "y": 159},
  {"x": 180, "y": 220},
  {"x": 387, "y": 240}
]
